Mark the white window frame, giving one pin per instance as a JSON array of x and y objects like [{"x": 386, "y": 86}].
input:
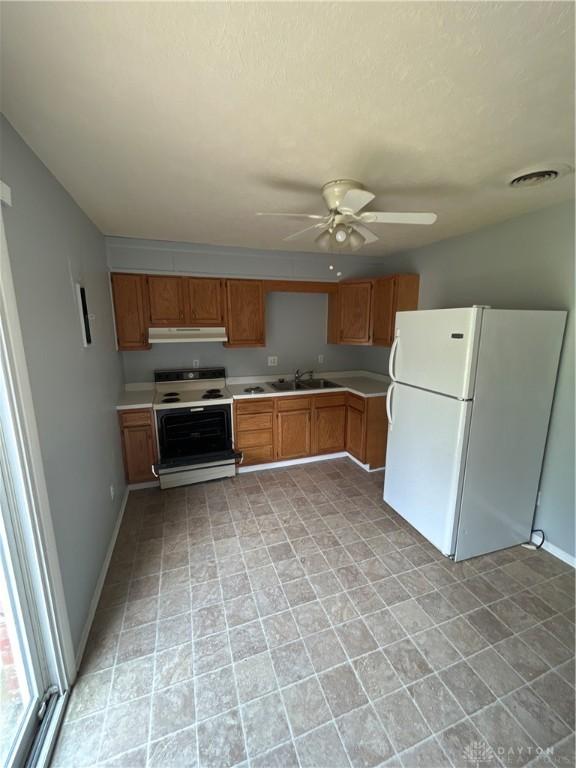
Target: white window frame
[{"x": 45, "y": 577}]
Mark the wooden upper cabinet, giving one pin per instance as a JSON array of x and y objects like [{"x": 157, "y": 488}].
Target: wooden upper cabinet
[
  {"x": 364, "y": 311},
  {"x": 245, "y": 313},
  {"x": 355, "y": 302},
  {"x": 130, "y": 311},
  {"x": 383, "y": 311},
  {"x": 166, "y": 297},
  {"x": 204, "y": 301}
]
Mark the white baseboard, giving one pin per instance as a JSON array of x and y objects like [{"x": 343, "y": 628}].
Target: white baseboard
[
  {"x": 557, "y": 552},
  {"x": 292, "y": 462},
  {"x": 100, "y": 582}
]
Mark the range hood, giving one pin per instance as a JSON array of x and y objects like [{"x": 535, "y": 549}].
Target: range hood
[{"x": 181, "y": 335}]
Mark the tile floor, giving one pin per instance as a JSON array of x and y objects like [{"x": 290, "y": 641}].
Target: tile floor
[{"x": 290, "y": 618}]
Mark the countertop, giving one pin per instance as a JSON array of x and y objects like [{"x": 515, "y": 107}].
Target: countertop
[
  {"x": 359, "y": 383},
  {"x": 362, "y": 385},
  {"x": 136, "y": 398}
]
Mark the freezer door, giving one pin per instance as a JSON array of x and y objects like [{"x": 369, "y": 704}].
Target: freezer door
[
  {"x": 426, "y": 441},
  {"x": 436, "y": 350},
  {"x": 517, "y": 364}
]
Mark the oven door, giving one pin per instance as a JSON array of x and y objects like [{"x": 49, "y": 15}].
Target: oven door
[{"x": 194, "y": 434}]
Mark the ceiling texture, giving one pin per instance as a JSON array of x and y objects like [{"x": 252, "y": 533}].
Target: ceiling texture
[{"x": 179, "y": 121}]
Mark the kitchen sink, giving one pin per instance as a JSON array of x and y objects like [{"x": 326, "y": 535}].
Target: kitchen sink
[{"x": 284, "y": 385}]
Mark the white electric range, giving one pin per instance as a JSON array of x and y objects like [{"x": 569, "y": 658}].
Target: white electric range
[{"x": 193, "y": 412}]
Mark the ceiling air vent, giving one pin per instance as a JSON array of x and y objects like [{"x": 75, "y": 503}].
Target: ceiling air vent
[{"x": 534, "y": 178}]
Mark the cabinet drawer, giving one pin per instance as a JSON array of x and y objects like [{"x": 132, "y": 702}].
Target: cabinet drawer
[
  {"x": 254, "y": 437},
  {"x": 246, "y": 421},
  {"x": 264, "y": 405},
  {"x": 326, "y": 401},
  {"x": 293, "y": 403},
  {"x": 257, "y": 454},
  {"x": 358, "y": 403},
  {"x": 132, "y": 418}
]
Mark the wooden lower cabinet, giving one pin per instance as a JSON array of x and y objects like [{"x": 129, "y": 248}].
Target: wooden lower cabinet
[
  {"x": 293, "y": 427},
  {"x": 294, "y": 434},
  {"x": 355, "y": 433},
  {"x": 367, "y": 429},
  {"x": 329, "y": 424},
  {"x": 138, "y": 445}
]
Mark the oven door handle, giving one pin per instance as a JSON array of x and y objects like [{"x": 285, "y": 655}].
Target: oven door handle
[{"x": 192, "y": 410}]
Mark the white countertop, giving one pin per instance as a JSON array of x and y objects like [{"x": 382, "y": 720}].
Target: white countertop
[
  {"x": 362, "y": 383},
  {"x": 136, "y": 398}
]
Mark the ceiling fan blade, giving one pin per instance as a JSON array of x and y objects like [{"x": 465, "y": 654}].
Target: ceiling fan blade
[
  {"x": 369, "y": 236},
  {"x": 295, "y": 215},
  {"x": 381, "y": 217},
  {"x": 302, "y": 232},
  {"x": 354, "y": 200}
]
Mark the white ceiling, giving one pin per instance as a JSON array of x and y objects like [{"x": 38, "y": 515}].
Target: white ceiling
[{"x": 179, "y": 121}]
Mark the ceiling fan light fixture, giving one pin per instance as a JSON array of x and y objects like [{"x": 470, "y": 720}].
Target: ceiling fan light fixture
[
  {"x": 356, "y": 240},
  {"x": 324, "y": 240},
  {"x": 340, "y": 234}
]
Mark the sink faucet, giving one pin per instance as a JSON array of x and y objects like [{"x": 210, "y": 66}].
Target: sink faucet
[{"x": 298, "y": 375}]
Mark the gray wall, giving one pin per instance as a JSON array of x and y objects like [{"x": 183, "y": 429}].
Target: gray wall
[
  {"x": 523, "y": 263},
  {"x": 52, "y": 244},
  {"x": 295, "y": 333},
  {"x": 295, "y": 323}
]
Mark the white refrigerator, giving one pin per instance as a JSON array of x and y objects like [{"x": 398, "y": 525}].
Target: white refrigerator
[{"x": 468, "y": 412}]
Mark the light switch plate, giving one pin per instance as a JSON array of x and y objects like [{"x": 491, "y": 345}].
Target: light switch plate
[
  {"x": 320, "y": 358},
  {"x": 272, "y": 360}
]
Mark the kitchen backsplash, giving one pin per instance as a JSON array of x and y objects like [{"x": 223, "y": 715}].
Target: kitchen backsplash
[{"x": 295, "y": 334}]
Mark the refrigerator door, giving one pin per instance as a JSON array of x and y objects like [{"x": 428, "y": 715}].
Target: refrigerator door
[
  {"x": 436, "y": 350},
  {"x": 427, "y": 437},
  {"x": 517, "y": 364}
]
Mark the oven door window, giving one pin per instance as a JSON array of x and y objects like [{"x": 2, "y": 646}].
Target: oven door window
[{"x": 186, "y": 432}]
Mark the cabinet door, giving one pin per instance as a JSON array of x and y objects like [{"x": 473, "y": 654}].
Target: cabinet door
[
  {"x": 355, "y": 301},
  {"x": 293, "y": 435},
  {"x": 166, "y": 300},
  {"x": 245, "y": 313},
  {"x": 330, "y": 429},
  {"x": 203, "y": 301},
  {"x": 383, "y": 311},
  {"x": 355, "y": 433},
  {"x": 130, "y": 310},
  {"x": 139, "y": 454}
]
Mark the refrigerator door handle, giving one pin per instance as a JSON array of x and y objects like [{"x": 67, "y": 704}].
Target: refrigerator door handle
[
  {"x": 389, "y": 405},
  {"x": 392, "y": 359}
]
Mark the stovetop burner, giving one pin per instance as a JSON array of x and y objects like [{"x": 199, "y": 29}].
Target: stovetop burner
[
  {"x": 212, "y": 395},
  {"x": 171, "y": 398},
  {"x": 172, "y": 394},
  {"x": 253, "y": 390}
]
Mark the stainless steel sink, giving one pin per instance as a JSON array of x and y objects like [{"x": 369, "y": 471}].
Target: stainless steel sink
[
  {"x": 319, "y": 384},
  {"x": 303, "y": 385},
  {"x": 287, "y": 386}
]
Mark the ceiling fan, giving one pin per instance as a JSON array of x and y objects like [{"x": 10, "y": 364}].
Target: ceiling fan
[{"x": 343, "y": 228}]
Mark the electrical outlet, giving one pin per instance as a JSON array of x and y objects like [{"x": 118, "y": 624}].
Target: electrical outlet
[
  {"x": 195, "y": 363},
  {"x": 320, "y": 358},
  {"x": 112, "y": 492},
  {"x": 272, "y": 360}
]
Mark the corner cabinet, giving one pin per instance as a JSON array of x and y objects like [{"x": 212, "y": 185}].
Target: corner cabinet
[
  {"x": 130, "y": 296},
  {"x": 138, "y": 444},
  {"x": 245, "y": 313},
  {"x": 364, "y": 311}
]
